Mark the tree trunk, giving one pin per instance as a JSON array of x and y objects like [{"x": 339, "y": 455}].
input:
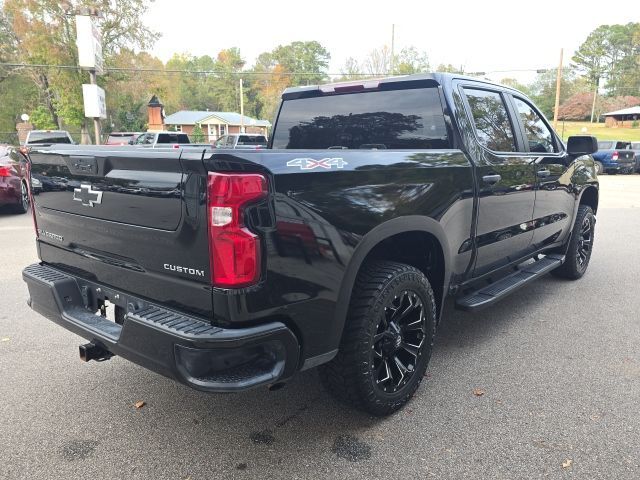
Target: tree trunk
[
  {"x": 49, "y": 100},
  {"x": 85, "y": 137}
]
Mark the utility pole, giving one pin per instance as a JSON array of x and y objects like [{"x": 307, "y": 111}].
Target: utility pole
[
  {"x": 595, "y": 96},
  {"x": 93, "y": 80},
  {"x": 393, "y": 44},
  {"x": 558, "y": 83},
  {"x": 241, "y": 108}
]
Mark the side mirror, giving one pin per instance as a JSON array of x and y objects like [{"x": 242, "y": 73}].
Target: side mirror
[{"x": 582, "y": 145}]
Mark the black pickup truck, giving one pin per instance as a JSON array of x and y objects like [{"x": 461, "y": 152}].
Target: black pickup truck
[{"x": 335, "y": 247}]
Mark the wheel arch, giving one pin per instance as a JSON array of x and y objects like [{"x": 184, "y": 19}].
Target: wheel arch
[
  {"x": 590, "y": 196},
  {"x": 398, "y": 228}
]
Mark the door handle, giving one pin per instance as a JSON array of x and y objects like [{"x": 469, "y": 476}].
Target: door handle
[
  {"x": 543, "y": 173},
  {"x": 491, "y": 179}
]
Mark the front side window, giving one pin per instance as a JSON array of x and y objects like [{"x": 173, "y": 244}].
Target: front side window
[
  {"x": 489, "y": 113},
  {"x": 382, "y": 119},
  {"x": 538, "y": 134}
]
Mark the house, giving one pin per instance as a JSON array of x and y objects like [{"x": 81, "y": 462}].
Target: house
[
  {"x": 623, "y": 118},
  {"x": 215, "y": 124}
]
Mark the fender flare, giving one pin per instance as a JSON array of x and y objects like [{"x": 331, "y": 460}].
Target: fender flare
[{"x": 406, "y": 224}]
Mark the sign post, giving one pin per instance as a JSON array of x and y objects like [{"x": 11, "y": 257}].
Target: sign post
[{"x": 89, "y": 42}]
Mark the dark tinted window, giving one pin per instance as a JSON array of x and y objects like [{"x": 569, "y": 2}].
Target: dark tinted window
[
  {"x": 252, "y": 140},
  {"x": 491, "y": 119},
  {"x": 49, "y": 137},
  {"x": 538, "y": 134},
  {"x": 397, "y": 119},
  {"x": 605, "y": 145},
  {"x": 173, "y": 138},
  {"x": 623, "y": 145}
]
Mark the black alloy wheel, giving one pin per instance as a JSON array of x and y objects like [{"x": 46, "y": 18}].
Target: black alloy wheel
[
  {"x": 398, "y": 341},
  {"x": 387, "y": 340}
]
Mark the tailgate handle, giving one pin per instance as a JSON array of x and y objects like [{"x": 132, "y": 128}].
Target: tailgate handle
[{"x": 83, "y": 165}]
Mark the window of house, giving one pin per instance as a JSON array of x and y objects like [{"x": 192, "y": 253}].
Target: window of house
[
  {"x": 493, "y": 127},
  {"x": 178, "y": 128},
  {"x": 223, "y": 129},
  {"x": 538, "y": 134}
]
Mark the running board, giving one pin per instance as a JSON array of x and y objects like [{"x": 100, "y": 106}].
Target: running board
[{"x": 496, "y": 291}]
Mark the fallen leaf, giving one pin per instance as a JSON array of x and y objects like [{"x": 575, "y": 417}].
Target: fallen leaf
[
  {"x": 478, "y": 392},
  {"x": 4, "y": 339},
  {"x": 567, "y": 463},
  {"x": 139, "y": 404}
]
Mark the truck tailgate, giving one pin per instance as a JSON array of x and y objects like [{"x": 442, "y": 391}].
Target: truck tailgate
[{"x": 128, "y": 220}]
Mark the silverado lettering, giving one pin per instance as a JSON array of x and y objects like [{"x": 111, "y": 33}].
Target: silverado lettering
[{"x": 445, "y": 187}]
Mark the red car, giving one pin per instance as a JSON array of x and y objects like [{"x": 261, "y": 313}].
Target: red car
[{"x": 14, "y": 193}]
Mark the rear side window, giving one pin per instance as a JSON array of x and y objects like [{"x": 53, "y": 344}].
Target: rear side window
[
  {"x": 538, "y": 134},
  {"x": 391, "y": 119},
  {"x": 252, "y": 140},
  {"x": 49, "y": 137},
  {"x": 493, "y": 127}
]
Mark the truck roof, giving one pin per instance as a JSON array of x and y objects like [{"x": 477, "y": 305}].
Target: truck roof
[{"x": 435, "y": 79}]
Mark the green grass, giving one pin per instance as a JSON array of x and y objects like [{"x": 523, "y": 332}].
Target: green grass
[{"x": 598, "y": 130}]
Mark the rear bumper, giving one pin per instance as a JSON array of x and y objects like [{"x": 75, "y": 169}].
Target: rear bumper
[{"x": 176, "y": 345}]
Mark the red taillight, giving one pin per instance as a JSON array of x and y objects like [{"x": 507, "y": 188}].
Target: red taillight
[
  {"x": 615, "y": 156},
  {"x": 31, "y": 202},
  {"x": 234, "y": 251},
  {"x": 5, "y": 172}
]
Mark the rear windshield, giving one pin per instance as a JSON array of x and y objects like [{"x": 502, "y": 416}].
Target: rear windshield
[
  {"x": 173, "y": 138},
  {"x": 48, "y": 137},
  {"x": 391, "y": 119},
  {"x": 252, "y": 140}
]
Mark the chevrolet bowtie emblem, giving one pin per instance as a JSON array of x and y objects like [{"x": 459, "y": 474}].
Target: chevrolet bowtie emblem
[{"x": 87, "y": 195}]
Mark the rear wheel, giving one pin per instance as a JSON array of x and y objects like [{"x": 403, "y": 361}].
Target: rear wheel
[
  {"x": 23, "y": 205},
  {"x": 387, "y": 340},
  {"x": 580, "y": 245}
]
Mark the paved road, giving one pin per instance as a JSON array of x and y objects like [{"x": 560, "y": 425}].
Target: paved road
[{"x": 559, "y": 362}]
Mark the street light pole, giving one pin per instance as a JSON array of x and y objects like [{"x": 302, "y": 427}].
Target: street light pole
[{"x": 558, "y": 83}]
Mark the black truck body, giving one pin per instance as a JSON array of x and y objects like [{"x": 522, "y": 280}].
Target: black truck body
[{"x": 460, "y": 179}]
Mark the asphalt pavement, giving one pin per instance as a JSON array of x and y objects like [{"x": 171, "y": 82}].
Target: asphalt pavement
[{"x": 545, "y": 384}]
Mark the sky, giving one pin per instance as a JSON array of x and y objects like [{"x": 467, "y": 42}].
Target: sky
[{"x": 482, "y": 35}]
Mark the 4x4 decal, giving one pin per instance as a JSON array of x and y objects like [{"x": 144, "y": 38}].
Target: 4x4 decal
[{"x": 312, "y": 163}]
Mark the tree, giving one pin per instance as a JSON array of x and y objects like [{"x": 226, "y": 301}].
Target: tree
[
  {"x": 197, "y": 134},
  {"x": 591, "y": 56},
  {"x": 309, "y": 58},
  {"x": 449, "y": 68},
  {"x": 513, "y": 83},
  {"x": 45, "y": 33},
  {"x": 543, "y": 88},
  {"x": 411, "y": 60}
]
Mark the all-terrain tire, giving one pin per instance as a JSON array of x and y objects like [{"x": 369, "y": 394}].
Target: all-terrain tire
[
  {"x": 580, "y": 245},
  {"x": 383, "y": 289}
]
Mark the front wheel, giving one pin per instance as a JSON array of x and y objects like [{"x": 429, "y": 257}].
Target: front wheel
[
  {"x": 580, "y": 245},
  {"x": 387, "y": 341}
]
